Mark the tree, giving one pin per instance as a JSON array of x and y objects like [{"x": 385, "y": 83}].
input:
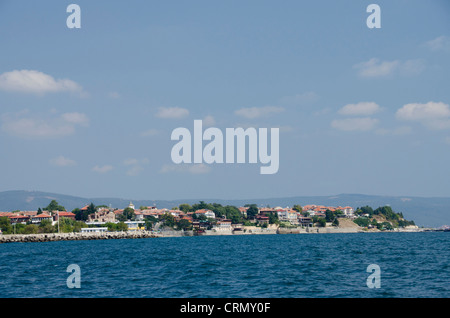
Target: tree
[
  {"x": 322, "y": 222},
  {"x": 298, "y": 208},
  {"x": 54, "y": 206},
  {"x": 121, "y": 226},
  {"x": 31, "y": 229},
  {"x": 273, "y": 218},
  {"x": 232, "y": 213},
  {"x": 39, "y": 211},
  {"x": 335, "y": 222},
  {"x": 150, "y": 221},
  {"x": 185, "y": 207},
  {"x": 252, "y": 211},
  {"x": 5, "y": 225},
  {"x": 329, "y": 216},
  {"x": 168, "y": 219},
  {"x": 46, "y": 227},
  {"x": 79, "y": 215},
  {"x": 91, "y": 209},
  {"x": 128, "y": 213},
  {"x": 202, "y": 205},
  {"x": 364, "y": 210},
  {"x": 363, "y": 222},
  {"x": 184, "y": 224}
]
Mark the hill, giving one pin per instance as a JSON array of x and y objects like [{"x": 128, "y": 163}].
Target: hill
[{"x": 427, "y": 212}]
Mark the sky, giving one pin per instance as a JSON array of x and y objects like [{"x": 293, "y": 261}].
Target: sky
[{"x": 89, "y": 111}]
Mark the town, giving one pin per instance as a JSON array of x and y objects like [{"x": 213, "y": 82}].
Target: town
[{"x": 203, "y": 219}]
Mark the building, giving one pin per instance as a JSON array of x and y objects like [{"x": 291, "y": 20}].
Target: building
[
  {"x": 208, "y": 213},
  {"x": 135, "y": 225},
  {"x": 305, "y": 221},
  {"x": 223, "y": 225},
  {"x": 41, "y": 217},
  {"x": 19, "y": 219},
  {"x": 94, "y": 229},
  {"x": 63, "y": 214},
  {"x": 262, "y": 219},
  {"x": 102, "y": 215},
  {"x": 288, "y": 216}
]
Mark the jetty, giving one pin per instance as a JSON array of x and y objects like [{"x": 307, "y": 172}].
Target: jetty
[{"x": 51, "y": 237}]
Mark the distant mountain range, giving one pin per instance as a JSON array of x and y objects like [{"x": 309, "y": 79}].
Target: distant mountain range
[{"x": 424, "y": 211}]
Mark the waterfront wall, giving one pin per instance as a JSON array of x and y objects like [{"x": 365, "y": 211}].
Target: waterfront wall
[{"x": 50, "y": 237}]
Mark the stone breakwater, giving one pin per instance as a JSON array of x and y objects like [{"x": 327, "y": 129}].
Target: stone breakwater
[{"x": 51, "y": 237}]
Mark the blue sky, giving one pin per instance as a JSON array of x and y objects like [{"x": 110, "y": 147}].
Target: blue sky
[{"x": 89, "y": 111}]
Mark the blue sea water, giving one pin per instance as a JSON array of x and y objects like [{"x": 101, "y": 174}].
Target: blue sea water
[{"x": 267, "y": 266}]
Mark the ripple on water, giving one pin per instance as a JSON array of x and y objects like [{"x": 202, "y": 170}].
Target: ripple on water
[{"x": 412, "y": 265}]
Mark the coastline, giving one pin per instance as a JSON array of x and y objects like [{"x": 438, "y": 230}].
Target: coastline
[{"x": 52, "y": 237}]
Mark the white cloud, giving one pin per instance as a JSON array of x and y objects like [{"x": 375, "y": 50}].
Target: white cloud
[
  {"x": 76, "y": 118},
  {"x": 31, "y": 81},
  {"x": 355, "y": 124},
  {"x": 32, "y": 127},
  {"x": 102, "y": 169},
  {"x": 172, "y": 112},
  {"x": 186, "y": 168},
  {"x": 439, "y": 43},
  {"x": 135, "y": 165},
  {"x": 432, "y": 115},
  {"x": 62, "y": 161},
  {"x": 376, "y": 68},
  {"x": 255, "y": 112},
  {"x": 209, "y": 121},
  {"x": 360, "y": 109}
]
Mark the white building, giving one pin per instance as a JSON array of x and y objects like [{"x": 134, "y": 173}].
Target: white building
[
  {"x": 94, "y": 229},
  {"x": 290, "y": 216}
]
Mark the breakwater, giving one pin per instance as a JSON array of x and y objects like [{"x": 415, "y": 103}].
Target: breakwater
[{"x": 50, "y": 237}]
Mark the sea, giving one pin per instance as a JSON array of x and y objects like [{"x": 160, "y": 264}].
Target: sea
[{"x": 347, "y": 265}]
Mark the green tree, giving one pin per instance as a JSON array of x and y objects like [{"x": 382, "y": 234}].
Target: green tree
[
  {"x": 322, "y": 222},
  {"x": 184, "y": 224},
  {"x": 273, "y": 218},
  {"x": 150, "y": 221},
  {"x": 91, "y": 209},
  {"x": 46, "y": 227},
  {"x": 121, "y": 218},
  {"x": 5, "y": 225},
  {"x": 232, "y": 213},
  {"x": 129, "y": 213},
  {"x": 111, "y": 226},
  {"x": 31, "y": 229},
  {"x": 329, "y": 216},
  {"x": 335, "y": 222},
  {"x": 364, "y": 210},
  {"x": 298, "y": 208},
  {"x": 168, "y": 219},
  {"x": 252, "y": 211},
  {"x": 185, "y": 207},
  {"x": 121, "y": 226},
  {"x": 80, "y": 215},
  {"x": 39, "y": 211},
  {"x": 361, "y": 221},
  {"x": 54, "y": 206}
]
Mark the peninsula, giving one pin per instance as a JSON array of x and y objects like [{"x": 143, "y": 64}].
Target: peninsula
[{"x": 53, "y": 222}]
